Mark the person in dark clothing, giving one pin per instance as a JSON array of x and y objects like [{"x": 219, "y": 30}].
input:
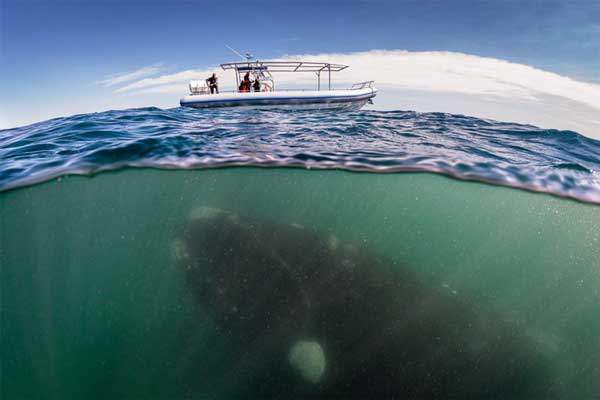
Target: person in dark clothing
[
  {"x": 256, "y": 85},
  {"x": 212, "y": 84}
]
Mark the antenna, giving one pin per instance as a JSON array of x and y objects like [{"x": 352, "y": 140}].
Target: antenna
[{"x": 248, "y": 56}]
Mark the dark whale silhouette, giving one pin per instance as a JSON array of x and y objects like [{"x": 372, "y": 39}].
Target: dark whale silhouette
[{"x": 313, "y": 317}]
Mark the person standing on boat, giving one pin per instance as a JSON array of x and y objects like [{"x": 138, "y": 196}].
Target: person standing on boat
[
  {"x": 256, "y": 85},
  {"x": 247, "y": 82},
  {"x": 212, "y": 84}
]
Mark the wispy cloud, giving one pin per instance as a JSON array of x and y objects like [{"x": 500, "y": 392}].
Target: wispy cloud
[
  {"x": 460, "y": 73},
  {"x": 422, "y": 81},
  {"x": 178, "y": 77},
  {"x": 117, "y": 79},
  {"x": 174, "y": 89},
  {"x": 427, "y": 71}
]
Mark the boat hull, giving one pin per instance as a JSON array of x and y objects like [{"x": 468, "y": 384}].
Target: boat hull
[{"x": 297, "y": 100}]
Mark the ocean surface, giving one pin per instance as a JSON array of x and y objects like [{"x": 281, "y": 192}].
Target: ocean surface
[
  {"x": 170, "y": 254},
  {"x": 562, "y": 163}
]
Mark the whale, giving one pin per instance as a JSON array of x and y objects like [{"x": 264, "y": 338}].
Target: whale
[{"x": 312, "y": 316}]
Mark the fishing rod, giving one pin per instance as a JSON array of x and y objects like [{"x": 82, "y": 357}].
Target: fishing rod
[{"x": 247, "y": 57}]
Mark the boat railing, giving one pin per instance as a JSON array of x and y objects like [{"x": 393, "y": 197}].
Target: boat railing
[
  {"x": 362, "y": 85},
  {"x": 278, "y": 90},
  {"x": 356, "y": 86}
]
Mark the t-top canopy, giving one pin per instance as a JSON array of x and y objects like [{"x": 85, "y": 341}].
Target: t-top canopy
[{"x": 283, "y": 66}]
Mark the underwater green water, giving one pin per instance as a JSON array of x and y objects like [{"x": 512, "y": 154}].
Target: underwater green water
[{"x": 93, "y": 306}]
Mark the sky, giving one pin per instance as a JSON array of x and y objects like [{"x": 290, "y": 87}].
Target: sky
[{"x": 525, "y": 61}]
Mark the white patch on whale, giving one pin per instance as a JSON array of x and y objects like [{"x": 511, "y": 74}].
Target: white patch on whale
[
  {"x": 200, "y": 213},
  {"x": 308, "y": 359},
  {"x": 333, "y": 243},
  {"x": 178, "y": 250}
]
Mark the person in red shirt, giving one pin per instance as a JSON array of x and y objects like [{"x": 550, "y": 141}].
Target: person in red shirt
[{"x": 245, "y": 85}]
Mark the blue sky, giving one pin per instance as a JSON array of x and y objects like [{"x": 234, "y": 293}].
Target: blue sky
[{"x": 54, "y": 53}]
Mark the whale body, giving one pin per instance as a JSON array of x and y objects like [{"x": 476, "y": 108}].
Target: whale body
[{"x": 314, "y": 317}]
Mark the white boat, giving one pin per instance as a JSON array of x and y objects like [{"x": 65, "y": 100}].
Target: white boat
[{"x": 269, "y": 96}]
